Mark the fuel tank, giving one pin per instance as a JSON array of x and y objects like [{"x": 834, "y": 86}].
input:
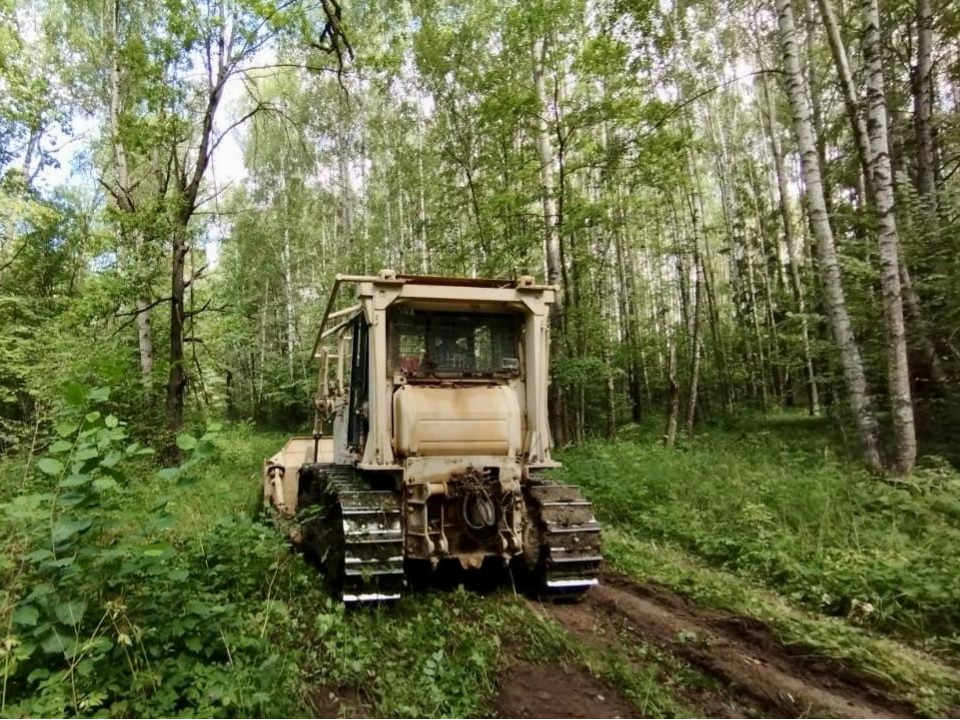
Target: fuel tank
[{"x": 430, "y": 421}]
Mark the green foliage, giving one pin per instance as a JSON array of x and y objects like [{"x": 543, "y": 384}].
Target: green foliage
[
  {"x": 106, "y": 614},
  {"x": 432, "y": 656},
  {"x": 932, "y": 686},
  {"x": 157, "y": 594},
  {"x": 777, "y": 502}
]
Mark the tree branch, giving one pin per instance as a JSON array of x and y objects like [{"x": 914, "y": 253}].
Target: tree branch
[
  {"x": 145, "y": 308},
  {"x": 110, "y": 190},
  {"x": 204, "y": 308},
  {"x": 301, "y": 66},
  {"x": 333, "y": 38},
  {"x": 689, "y": 101},
  {"x": 15, "y": 255},
  {"x": 198, "y": 275},
  {"x": 240, "y": 121},
  {"x": 134, "y": 314}
]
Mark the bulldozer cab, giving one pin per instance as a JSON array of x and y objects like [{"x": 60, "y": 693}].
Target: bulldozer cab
[
  {"x": 406, "y": 335},
  {"x": 428, "y": 345}
]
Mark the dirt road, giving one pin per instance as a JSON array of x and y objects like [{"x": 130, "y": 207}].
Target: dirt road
[{"x": 754, "y": 673}]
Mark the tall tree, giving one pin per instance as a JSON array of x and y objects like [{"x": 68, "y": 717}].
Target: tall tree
[
  {"x": 923, "y": 88},
  {"x": 858, "y": 396},
  {"x": 898, "y": 369},
  {"x": 122, "y": 189},
  {"x": 793, "y": 258}
]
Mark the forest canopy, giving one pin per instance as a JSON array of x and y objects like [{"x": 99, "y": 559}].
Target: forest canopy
[{"x": 744, "y": 205}]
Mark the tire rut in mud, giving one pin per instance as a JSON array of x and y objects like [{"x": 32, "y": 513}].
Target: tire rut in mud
[{"x": 757, "y": 674}]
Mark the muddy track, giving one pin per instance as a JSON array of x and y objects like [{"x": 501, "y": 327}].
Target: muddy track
[
  {"x": 550, "y": 691},
  {"x": 755, "y": 673}
]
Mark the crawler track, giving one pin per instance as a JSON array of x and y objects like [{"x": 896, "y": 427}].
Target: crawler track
[
  {"x": 358, "y": 536},
  {"x": 567, "y": 538}
]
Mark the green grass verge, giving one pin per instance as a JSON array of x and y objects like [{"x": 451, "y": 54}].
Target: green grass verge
[
  {"x": 907, "y": 672},
  {"x": 775, "y": 500},
  {"x": 211, "y": 613}
]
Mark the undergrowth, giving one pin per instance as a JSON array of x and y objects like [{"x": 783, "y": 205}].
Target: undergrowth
[
  {"x": 129, "y": 589},
  {"x": 132, "y": 590},
  {"x": 107, "y": 609},
  {"x": 777, "y": 501}
]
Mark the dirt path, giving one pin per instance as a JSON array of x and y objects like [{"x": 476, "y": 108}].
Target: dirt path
[
  {"x": 755, "y": 672},
  {"x": 550, "y": 691}
]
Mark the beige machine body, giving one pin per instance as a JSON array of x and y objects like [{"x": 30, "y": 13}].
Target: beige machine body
[{"x": 435, "y": 390}]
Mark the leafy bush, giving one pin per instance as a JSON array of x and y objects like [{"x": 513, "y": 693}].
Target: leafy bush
[
  {"x": 432, "y": 656},
  {"x": 106, "y": 616}
]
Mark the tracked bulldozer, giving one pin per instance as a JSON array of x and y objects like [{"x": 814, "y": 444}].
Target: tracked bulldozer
[{"x": 435, "y": 392}]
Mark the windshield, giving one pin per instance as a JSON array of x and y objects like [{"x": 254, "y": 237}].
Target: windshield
[{"x": 428, "y": 343}]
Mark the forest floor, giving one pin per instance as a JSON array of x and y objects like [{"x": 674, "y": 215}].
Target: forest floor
[{"x": 752, "y": 571}]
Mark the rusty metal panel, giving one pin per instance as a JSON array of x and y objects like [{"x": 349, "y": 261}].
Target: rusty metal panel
[{"x": 280, "y": 481}]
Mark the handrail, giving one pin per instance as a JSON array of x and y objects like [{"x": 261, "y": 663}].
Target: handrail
[
  {"x": 326, "y": 311},
  {"x": 327, "y": 315},
  {"x": 327, "y": 333},
  {"x": 345, "y": 311}
]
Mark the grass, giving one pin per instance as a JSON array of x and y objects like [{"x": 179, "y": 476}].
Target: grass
[
  {"x": 776, "y": 501},
  {"x": 765, "y": 518},
  {"x": 228, "y": 621},
  {"x": 925, "y": 681}
]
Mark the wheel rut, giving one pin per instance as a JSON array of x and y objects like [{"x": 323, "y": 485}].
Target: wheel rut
[{"x": 756, "y": 674}]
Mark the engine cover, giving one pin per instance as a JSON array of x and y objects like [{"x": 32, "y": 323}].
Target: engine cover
[{"x": 456, "y": 421}]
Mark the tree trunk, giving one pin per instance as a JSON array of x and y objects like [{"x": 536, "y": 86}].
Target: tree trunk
[
  {"x": 422, "y": 218},
  {"x": 923, "y": 102},
  {"x": 849, "y": 90},
  {"x": 923, "y": 88},
  {"x": 855, "y": 379},
  {"x": 709, "y": 283},
  {"x": 177, "y": 380},
  {"x": 289, "y": 307},
  {"x": 230, "y": 393},
  {"x": 611, "y": 400},
  {"x": 796, "y": 284},
  {"x": 813, "y": 84},
  {"x": 124, "y": 199},
  {"x": 865, "y": 154},
  {"x": 755, "y": 321},
  {"x": 286, "y": 261},
  {"x": 552, "y": 257},
  {"x": 144, "y": 340},
  {"x": 628, "y": 313},
  {"x": 920, "y": 330},
  {"x": 548, "y": 164},
  {"x": 779, "y": 370},
  {"x": 692, "y": 395},
  {"x": 673, "y": 395},
  {"x": 898, "y": 370}
]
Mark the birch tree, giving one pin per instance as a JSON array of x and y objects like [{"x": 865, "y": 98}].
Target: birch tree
[
  {"x": 858, "y": 395},
  {"x": 881, "y": 170}
]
